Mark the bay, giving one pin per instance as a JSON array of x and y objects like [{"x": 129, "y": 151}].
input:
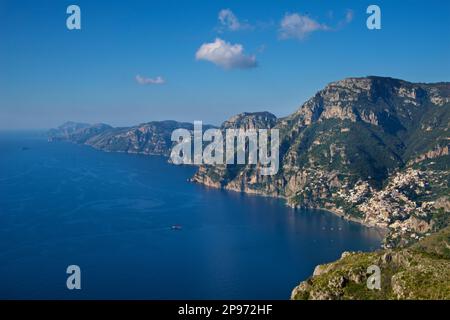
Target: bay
[{"x": 113, "y": 214}]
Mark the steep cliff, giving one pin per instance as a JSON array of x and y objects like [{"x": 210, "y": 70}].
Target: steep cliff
[{"x": 372, "y": 149}]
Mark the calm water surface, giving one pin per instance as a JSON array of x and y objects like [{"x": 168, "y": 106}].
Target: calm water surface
[{"x": 111, "y": 214}]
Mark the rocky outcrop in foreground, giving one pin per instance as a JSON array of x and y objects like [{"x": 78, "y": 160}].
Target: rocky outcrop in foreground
[{"x": 421, "y": 271}]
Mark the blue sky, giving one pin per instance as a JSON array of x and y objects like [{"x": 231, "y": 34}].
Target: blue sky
[{"x": 273, "y": 55}]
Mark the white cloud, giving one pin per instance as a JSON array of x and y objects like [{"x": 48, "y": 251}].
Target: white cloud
[
  {"x": 226, "y": 55},
  {"x": 229, "y": 21},
  {"x": 144, "y": 80},
  {"x": 297, "y": 26}
]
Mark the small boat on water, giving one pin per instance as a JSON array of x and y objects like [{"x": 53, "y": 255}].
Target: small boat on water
[{"x": 176, "y": 227}]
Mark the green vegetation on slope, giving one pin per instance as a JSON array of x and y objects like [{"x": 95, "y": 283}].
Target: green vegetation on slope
[{"x": 421, "y": 271}]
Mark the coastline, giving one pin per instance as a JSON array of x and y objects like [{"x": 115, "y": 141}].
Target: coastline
[
  {"x": 383, "y": 231},
  {"x": 193, "y": 179}
]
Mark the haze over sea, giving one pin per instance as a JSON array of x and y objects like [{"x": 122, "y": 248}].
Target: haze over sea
[{"x": 112, "y": 214}]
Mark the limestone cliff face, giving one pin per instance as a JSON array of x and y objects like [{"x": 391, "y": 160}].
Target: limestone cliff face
[
  {"x": 438, "y": 151},
  {"x": 250, "y": 120},
  {"x": 219, "y": 175},
  {"x": 372, "y": 149}
]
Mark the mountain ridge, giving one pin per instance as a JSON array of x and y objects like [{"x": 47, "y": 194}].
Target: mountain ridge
[
  {"x": 352, "y": 144},
  {"x": 370, "y": 149},
  {"x": 150, "y": 138}
]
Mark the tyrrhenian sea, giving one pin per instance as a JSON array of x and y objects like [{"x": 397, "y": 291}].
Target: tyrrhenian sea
[{"x": 111, "y": 214}]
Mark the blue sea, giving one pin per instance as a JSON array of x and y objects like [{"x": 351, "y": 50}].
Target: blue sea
[{"x": 112, "y": 214}]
